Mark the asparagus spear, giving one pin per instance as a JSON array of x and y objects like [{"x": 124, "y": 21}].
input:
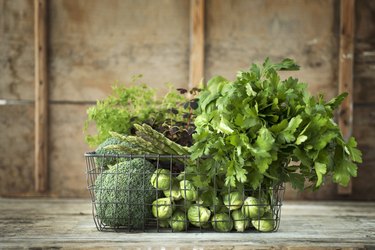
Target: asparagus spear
[
  {"x": 143, "y": 143},
  {"x": 180, "y": 150},
  {"x": 165, "y": 148},
  {"x": 139, "y": 142},
  {"x": 146, "y": 145},
  {"x": 125, "y": 149}
]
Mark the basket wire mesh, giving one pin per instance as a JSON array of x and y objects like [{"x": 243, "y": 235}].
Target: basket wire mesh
[{"x": 128, "y": 203}]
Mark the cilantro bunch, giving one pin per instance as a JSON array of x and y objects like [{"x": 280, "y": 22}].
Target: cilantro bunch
[{"x": 254, "y": 127}]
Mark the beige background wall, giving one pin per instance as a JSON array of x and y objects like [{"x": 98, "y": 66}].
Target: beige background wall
[{"x": 93, "y": 43}]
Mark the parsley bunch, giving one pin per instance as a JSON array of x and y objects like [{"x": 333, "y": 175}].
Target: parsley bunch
[{"x": 255, "y": 126}]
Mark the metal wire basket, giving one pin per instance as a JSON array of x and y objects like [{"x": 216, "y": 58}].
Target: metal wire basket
[{"x": 127, "y": 195}]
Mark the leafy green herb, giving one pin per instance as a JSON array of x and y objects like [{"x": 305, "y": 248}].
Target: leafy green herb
[
  {"x": 254, "y": 126},
  {"x": 172, "y": 116},
  {"x": 118, "y": 112}
]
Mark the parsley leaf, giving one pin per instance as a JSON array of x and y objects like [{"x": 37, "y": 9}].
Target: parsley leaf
[{"x": 254, "y": 126}]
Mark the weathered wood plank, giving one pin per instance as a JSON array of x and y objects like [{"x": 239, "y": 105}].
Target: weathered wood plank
[
  {"x": 364, "y": 67},
  {"x": 16, "y": 50},
  {"x": 305, "y": 31},
  {"x": 365, "y": 20},
  {"x": 105, "y": 42},
  {"x": 364, "y": 132},
  {"x": 68, "y": 224},
  {"x": 364, "y": 98},
  {"x": 196, "y": 69},
  {"x": 16, "y": 149},
  {"x": 346, "y": 54},
  {"x": 67, "y": 146},
  {"x": 41, "y": 97}
]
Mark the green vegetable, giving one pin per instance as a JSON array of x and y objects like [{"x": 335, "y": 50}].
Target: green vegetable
[
  {"x": 101, "y": 149},
  {"x": 163, "y": 208},
  {"x": 122, "y": 193},
  {"x": 254, "y": 208},
  {"x": 188, "y": 191},
  {"x": 174, "y": 192},
  {"x": 214, "y": 202},
  {"x": 138, "y": 104},
  {"x": 163, "y": 223},
  {"x": 148, "y": 141},
  {"x": 233, "y": 200},
  {"x": 183, "y": 205},
  {"x": 148, "y": 133},
  {"x": 265, "y": 224},
  {"x": 199, "y": 216},
  {"x": 161, "y": 179},
  {"x": 140, "y": 145},
  {"x": 241, "y": 222},
  {"x": 222, "y": 222},
  {"x": 178, "y": 221},
  {"x": 125, "y": 106},
  {"x": 254, "y": 126}
]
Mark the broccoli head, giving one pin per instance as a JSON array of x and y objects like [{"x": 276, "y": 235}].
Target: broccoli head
[
  {"x": 124, "y": 194},
  {"x": 107, "y": 161}
]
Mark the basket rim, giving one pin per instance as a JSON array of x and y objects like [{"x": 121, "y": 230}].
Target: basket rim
[{"x": 121, "y": 155}]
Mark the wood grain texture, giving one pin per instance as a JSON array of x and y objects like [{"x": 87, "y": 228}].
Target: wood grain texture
[
  {"x": 364, "y": 98},
  {"x": 41, "y": 97},
  {"x": 16, "y": 49},
  {"x": 364, "y": 66},
  {"x": 67, "y": 146},
  {"x": 241, "y": 32},
  {"x": 346, "y": 54},
  {"x": 105, "y": 42},
  {"x": 16, "y": 149},
  {"x": 196, "y": 68},
  {"x": 345, "y": 84},
  {"x": 364, "y": 132},
  {"x": 68, "y": 224}
]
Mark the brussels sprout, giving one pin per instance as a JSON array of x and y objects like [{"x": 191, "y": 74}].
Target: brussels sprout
[
  {"x": 178, "y": 221},
  {"x": 162, "y": 208},
  {"x": 207, "y": 198},
  {"x": 181, "y": 176},
  {"x": 161, "y": 179},
  {"x": 183, "y": 205},
  {"x": 214, "y": 203},
  {"x": 199, "y": 216},
  {"x": 163, "y": 223},
  {"x": 233, "y": 200},
  {"x": 254, "y": 208},
  {"x": 265, "y": 224},
  {"x": 188, "y": 191},
  {"x": 174, "y": 192},
  {"x": 222, "y": 222},
  {"x": 241, "y": 222}
]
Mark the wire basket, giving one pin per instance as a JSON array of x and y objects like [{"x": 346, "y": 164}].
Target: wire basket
[{"x": 152, "y": 193}]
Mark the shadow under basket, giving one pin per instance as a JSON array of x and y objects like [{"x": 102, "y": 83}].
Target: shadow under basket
[{"x": 153, "y": 193}]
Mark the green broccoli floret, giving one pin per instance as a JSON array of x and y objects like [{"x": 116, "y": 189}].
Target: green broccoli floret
[
  {"x": 124, "y": 194},
  {"x": 107, "y": 161}
]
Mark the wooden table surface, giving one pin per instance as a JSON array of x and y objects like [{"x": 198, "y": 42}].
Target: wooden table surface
[{"x": 62, "y": 223}]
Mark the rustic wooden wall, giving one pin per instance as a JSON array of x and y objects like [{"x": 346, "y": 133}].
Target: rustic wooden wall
[
  {"x": 364, "y": 97},
  {"x": 240, "y": 32},
  {"x": 363, "y": 110},
  {"x": 92, "y": 44},
  {"x": 16, "y": 83}
]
